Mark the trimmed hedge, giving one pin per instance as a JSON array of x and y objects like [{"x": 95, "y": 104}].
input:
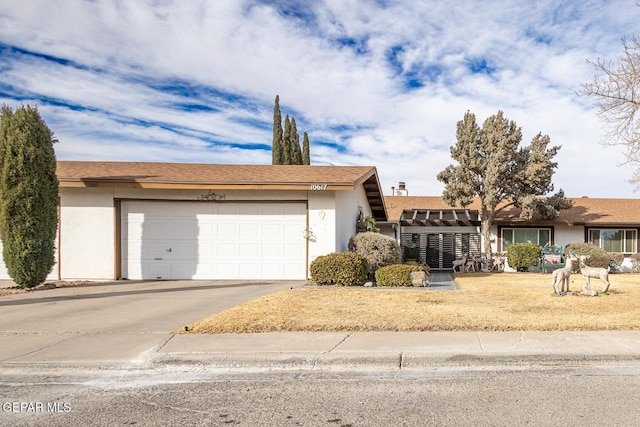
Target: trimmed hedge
[
  {"x": 521, "y": 256},
  {"x": 596, "y": 257},
  {"x": 398, "y": 274},
  {"x": 378, "y": 249},
  {"x": 339, "y": 269}
]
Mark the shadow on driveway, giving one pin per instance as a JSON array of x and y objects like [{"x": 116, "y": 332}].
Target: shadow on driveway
[{"x": 31, "y": 299}]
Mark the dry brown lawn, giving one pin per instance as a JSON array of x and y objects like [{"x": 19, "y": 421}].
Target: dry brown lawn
[{"x": 485, "y": 302}]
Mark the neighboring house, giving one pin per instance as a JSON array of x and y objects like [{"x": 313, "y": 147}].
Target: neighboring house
[
  {"x": 444, "y": 233},
  {"x": 135, "y": 220}
]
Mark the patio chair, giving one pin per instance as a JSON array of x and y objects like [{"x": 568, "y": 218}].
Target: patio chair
[{"x": 552, "y": 258}]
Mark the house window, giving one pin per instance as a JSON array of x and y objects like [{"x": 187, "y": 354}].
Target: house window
[
  {"x": 539, "y": 236},
  {"x": 612, "y": 240}
]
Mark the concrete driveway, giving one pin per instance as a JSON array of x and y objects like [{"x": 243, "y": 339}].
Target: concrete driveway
[{"x": 112, "y": 322}]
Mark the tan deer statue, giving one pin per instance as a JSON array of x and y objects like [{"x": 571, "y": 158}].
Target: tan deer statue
[
  {"x": 596, "y": 272},
  {"x": 562, "y": 276}
]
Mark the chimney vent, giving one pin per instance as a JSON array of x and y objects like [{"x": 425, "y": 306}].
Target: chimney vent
[{"x": 402, "y": 189}]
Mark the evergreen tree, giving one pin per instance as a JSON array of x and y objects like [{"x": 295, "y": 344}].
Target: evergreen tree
[
  {"x": 285, "y": 146},
  {"x": 28, "y": 195},
  {"x": 306, "y": 160},
  {"x": 286, "y": 142},
  {"x": 296, "y": 152},
  {"x": 276, "y": 146},
  {"x": 492, "y": 168}
]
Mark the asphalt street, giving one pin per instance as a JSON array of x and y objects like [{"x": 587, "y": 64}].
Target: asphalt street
[{"x": 107, "y": 354}]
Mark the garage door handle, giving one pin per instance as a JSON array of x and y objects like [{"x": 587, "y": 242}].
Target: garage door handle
[
  {"x": 158, "y": 259},
  {"x": 169, "y": 250}
]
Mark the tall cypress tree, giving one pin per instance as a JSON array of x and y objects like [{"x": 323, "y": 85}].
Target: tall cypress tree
[
  {"x": 285, "y": 146},
  {"x": 306, "y": 159},
  {"x": 28, "y": 195},
  {"x": 276, "y": 145},
  {"x": 296, "y": 152},
  {"x": 286, "y": 142}
]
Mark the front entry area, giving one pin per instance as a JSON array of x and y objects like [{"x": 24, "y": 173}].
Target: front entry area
[
  {"x": 439, "y": 250},
  {"x": 444, "y": 248},
  {"x": 167, "y": 240},
  {"x": 440, "y": 236}
]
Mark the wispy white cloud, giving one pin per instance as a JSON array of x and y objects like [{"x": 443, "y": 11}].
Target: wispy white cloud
[{"x": 373, "y": 82}]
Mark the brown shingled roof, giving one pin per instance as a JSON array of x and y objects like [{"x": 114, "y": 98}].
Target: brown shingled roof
[
  {"x": 193, "y": 173},
  {"x": 586, "y": 210},
  {"x": 211, "y": 176}
]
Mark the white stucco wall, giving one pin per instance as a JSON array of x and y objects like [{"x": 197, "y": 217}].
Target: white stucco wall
[
  {"x": 565, "y": 235},
  {"x": 86, "y": 233},
  {"x": 348, "y": 204},
  {"x": 322, "y": 224}
]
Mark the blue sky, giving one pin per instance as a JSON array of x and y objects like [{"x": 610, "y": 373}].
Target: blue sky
[{"x": 379, "y": 83}]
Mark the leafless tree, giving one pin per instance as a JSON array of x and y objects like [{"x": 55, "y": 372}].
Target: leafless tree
[{"x": 616, "y": 93}]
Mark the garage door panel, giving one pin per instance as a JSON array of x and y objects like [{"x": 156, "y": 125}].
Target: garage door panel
[
  {"x": 183, "y": 270},
  {"x": 226, "y": 250},
  {"x": 156, "y": 249},
  {"x": 156, "y": 229},
  {"x": 292, "y": 231},
  {"x": 251, "y": 250},
  {"x": 293, "y": 250},
  {"x": 226, "y": 230},
  {"x": 271, "y": 249},
  {"x": 227, "y": 269},
  {"x": 184, "y": 230},
  {"x": 271, "y": 231},
  {"x": 214, "y": 240},
  {"x": 249, "y": 231},
  {"x": 183, "y": 251},
  {"x": 156, "y": 270},
  {"x": 293, "y": 270}
]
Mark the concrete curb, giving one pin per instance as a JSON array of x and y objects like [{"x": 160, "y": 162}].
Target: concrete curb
[{"x": 384, "y": 361}]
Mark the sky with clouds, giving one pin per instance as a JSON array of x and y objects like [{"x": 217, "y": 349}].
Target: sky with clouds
[{"x": 373, "y": 82}]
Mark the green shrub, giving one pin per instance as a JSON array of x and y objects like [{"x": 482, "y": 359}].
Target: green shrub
[
  {"x": 521, "y": 256},
  {"x": 411, "y": 251},
  {"x": 340, "y": 269},
  {"x": 379, "y": 250},
  {"x": 596, "y": 257},
  {"x": 398, "y": 274}
]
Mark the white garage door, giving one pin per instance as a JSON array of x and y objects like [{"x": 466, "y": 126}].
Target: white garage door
[{"x": 200, "y": 240}]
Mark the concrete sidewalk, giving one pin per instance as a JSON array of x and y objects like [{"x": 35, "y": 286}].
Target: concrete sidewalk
[{"x": 318, "y": 351}]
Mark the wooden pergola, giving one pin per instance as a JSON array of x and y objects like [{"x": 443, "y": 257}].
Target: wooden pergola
[{"x": 440, "y": 217}]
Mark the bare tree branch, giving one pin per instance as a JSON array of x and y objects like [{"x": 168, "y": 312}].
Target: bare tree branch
[{"x": 616, "y": 93}]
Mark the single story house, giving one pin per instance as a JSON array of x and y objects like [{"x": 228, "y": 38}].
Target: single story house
[
  {"x": 163, "y": 221},
  {"x": 141, "y": 220},
  {"x": 444, "y": 233}
]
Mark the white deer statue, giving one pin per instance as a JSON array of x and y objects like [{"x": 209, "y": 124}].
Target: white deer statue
[
  {"x": 596, "y": 272},
  {"x": 561, "y": 277},
  {"x": 460, "y": 263}
]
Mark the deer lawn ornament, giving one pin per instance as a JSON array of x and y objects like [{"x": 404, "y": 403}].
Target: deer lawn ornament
[
  {"x": 596, "y": 272},
  {"x": 561, "y": 277},
  {"x": 460, "y": 262},
  {"x": 470, "y": 265},
  {"x": 498, "y": 262}
]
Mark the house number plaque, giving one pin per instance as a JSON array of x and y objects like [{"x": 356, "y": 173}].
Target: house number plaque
[{"x": 319, "y": 187}]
